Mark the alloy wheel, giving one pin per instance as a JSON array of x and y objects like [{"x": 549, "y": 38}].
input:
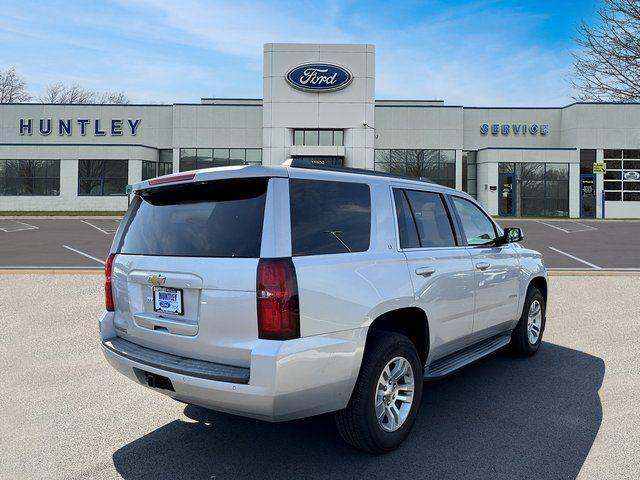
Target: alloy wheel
[{"x": 394, "y": 394}]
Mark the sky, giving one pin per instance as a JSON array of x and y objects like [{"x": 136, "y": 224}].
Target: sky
[{"x": 472, "y": 53}]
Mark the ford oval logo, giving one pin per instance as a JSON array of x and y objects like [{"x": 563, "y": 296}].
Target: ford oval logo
[{"x": 319, "y": 77}]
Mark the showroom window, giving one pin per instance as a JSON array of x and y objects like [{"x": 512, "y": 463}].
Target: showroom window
[
  {"x": 30, "y": 177},
  {"x": 622, "y": 179},
  {"x": 469, "y": 173},
  {"x": 323, "y": 138},
  {"x": 103, "y": 177},
  {"x": 196, "y": 158},
  {"x": 541, "y": 190},
  {"x": 155, "y": 169},
  {"x": 438, "y": 166}
]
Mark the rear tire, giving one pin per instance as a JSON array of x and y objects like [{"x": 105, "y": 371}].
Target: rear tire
[
  {"x": 390, "y": 369},
  {"x": 527, "y": 336}
]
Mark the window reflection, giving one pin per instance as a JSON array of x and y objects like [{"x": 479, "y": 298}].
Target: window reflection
[{"x": 438, "y": 166}]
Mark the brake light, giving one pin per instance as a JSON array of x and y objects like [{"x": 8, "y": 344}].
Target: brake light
[
  {"x": 278, "y": 306},
  {"x": 108, "y": 293},
  {"x": 178, "y": 177}
]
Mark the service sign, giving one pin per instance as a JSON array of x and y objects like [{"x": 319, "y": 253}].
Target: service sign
[
  {"x": 600, "y": 167},
  {"x": 319, "y": 77}
]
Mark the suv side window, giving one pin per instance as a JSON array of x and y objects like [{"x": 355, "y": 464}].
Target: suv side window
[
  {"x": 423, "y": 220},
  {"x": 478, "y": 228},
  {"x": 329, "y": 217}
]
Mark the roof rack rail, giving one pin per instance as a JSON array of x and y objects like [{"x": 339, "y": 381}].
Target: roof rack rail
[{"x": 299, "y": 163}]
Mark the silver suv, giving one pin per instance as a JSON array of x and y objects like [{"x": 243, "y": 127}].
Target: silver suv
[{"x": 289, "y": 291}]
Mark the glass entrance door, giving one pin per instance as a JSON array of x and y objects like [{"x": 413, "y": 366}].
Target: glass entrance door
[
  {"x": 506, "y": 192},
  {"x": 587, "y": 195}
]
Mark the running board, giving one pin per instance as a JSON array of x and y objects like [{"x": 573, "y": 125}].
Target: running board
[{"x": 451, "y": 363}]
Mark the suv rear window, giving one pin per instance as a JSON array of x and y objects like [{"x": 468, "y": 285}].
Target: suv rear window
[
  {"x": 213, "y": 219},
  {"x": 329, "y": 217}
]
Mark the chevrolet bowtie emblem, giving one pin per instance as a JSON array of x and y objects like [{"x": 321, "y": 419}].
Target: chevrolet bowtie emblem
[{"x": 156, "y": 280}]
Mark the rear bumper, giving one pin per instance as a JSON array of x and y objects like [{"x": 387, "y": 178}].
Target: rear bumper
[{"x": 286, "y": 380}]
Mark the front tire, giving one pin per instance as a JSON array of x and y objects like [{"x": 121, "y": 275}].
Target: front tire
[
  {"x": 386, "y": 397},
  {"x": 527, "y": 336}
]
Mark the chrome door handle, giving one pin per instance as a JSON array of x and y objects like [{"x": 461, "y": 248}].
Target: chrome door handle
[
  {"x": 425, "y": 271},
  {"x": 482, "y": 265}
]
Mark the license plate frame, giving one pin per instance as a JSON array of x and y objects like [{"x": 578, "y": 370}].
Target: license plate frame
[{"x": 174, "y": 307}]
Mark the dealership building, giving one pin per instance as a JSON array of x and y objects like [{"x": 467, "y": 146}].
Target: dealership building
[{"x": 319, "y": 104}]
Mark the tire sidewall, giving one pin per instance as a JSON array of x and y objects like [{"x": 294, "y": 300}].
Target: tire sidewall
[
  {"x": 534, "y": 294},
  {"x": 383, "y": 439}
]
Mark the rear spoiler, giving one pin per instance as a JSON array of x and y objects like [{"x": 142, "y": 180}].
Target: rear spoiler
[{"x": 212, "y": 174}]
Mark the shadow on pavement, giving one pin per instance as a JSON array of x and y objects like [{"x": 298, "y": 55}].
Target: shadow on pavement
[{"x": 500, "y": 418}]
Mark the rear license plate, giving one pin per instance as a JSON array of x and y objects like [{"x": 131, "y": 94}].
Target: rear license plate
[{"x": 167, "y": 300}]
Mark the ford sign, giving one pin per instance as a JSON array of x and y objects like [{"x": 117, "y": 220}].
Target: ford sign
[{"x": 319, "y": 77}]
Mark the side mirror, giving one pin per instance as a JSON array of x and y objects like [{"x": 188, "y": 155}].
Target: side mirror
[{"x": 512, "y": 235}]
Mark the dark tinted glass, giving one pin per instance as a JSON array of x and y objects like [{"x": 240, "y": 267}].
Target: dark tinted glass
[
  {"x": 215, "y": 219},
  {"x": 612, "y": 185},
  {"x": 165, "y": 155},
  {"x": 632, "y": 196},
  {"x": 478, "y": 229},
  {"x": 613, "y": 196},
  {"x": 329, "y": 217},
  {"x": 432, "y": 219},
  {"x": 587, "y": 159},
  {"x": 102, "y": 177},
  {"x": 29, "y": 177},
  {"x": 165, "y": 168},
  {"x": 89, "y": 187},
  {"x": 631, "y": 164},
  {"x": 406, "y": 225},
  {"x": 613, "y": 164},
  {"x": 148, "y": 170}
]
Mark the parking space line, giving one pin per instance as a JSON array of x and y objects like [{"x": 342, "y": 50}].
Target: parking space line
[
  {"x": 83, "y": 254},
  {"x": 10, "y": 230},
  {"x": 587, "y": 228},
  {"x": 552, "y": 226},
  {"x": 576, "y": 258},
  {"x": 96, "y": 227}
]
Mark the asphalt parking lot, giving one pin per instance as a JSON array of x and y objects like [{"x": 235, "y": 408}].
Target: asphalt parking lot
[
  {"x": 83, "y": 243},
  {"x": 570, "y": 411},
  {"x": 77, "y": 243}
]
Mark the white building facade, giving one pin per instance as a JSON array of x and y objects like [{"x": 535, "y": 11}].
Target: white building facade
[{"x": 319, "y": 104}]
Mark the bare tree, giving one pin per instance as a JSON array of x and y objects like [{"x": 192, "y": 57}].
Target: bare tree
[
  {"x": 607, "y": 67},
  {"x": 75, "y": 94},
  {"x": 119, "y": 98},
  {"x": 61, "y": 93},
  {"x": 13, "y": 89}
]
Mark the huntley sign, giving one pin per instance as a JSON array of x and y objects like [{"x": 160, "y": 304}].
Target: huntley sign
[{"x": 67, "y": 127}]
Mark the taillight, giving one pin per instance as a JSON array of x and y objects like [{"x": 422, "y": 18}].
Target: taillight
[
  {"x": 108, "y": 293},
  {"x": 177, "y": 177},
  {"x": 278, "y": 307}
]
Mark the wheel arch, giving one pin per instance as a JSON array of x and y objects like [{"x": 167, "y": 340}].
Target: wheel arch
[
  {"x": 411, "y": 322},
  {"x": 541, "y": 284}
]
